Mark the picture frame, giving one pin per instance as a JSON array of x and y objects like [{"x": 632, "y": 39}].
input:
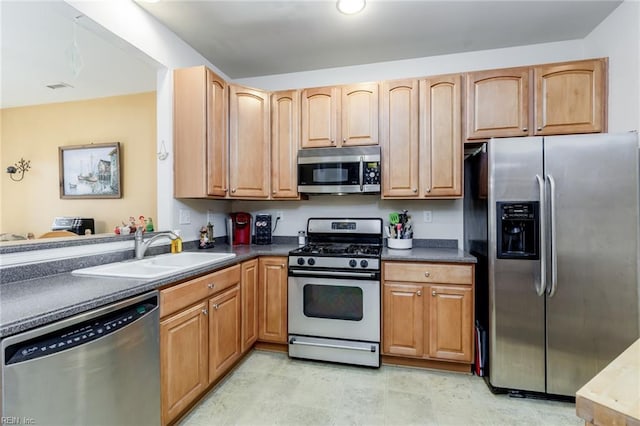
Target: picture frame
[{"x": 90, "y": 171}]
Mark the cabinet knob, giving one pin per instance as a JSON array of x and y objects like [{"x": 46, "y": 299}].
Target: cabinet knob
[
  {"x": 524, "y": 129},
  {"x": 333, "y": 142},
  {"x": 211, "y": 285},
  {"x": 433, "y": 293},
  {"x": 427, "y": 274},
  {"x": 414, "y": 190},
  {"x": 419, "y": 292},
  {"x": 216, "y": 306},
  {"x": 428, "y": 190},
  {"x": 539, "y": 128},
  {"x": 226, "y": 190},
  {"x": 273, "y": 192},
  {"x": 205, "y": 312},
  {"x": 233, "y": 191},
  {"x": 344, "y": 140},
  {"x": 283, "y": 265}
]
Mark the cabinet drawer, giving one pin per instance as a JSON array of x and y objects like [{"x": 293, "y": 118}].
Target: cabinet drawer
[
  {"x": 428, "y": 273},
  {"x": 182, "y": 295}
]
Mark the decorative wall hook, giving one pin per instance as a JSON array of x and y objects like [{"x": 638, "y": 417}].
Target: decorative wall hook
[
  {"x": 163, "y": 153},
  {"x": 21, "y": 167}
]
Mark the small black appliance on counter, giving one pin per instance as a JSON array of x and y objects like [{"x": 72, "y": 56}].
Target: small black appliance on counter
[
  {"x": 263, "y": 229},
  {"x": 77, "y": 225}
]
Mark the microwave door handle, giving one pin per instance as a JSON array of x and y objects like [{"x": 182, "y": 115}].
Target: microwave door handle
[{"x": 361, "y": 173}]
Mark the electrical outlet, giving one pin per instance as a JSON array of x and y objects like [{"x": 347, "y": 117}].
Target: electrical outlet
[
  {"x": 209, "y": 216},
  {"x": 428, "y": 218},
  {"x": 280, "y": 215},
  {"x": 185, "y": 217}
]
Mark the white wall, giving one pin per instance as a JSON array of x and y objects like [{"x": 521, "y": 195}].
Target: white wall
[
  {"x": 614, "y": 37},
  {"x": 618, "y": 37}
]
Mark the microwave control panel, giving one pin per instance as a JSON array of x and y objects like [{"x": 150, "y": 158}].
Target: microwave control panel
[{"x": 372, "y": 173}]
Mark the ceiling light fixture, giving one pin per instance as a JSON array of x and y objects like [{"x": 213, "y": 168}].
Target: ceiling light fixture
[{"x": 350, "y": 7}]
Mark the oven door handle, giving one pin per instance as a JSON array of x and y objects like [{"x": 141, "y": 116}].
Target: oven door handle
[
  {"x": 333, "y": 273},
  {"x": 293, "y": 341},
  {"x": 361, "y": 173}
]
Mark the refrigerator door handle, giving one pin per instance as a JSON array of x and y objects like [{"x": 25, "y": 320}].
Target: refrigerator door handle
[
  {"x": 554, "y": 255},
  {"x": 543, "y": 247}
]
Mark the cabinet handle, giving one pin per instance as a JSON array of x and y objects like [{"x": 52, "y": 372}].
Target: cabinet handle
[
  {"x": 433, "y": 293},
  {"x": 414, "y": 190},
  {"x": 344, "y": 140},
  {"x": 216, "y": 306},
  {"x": 282, "y": 265},
  {"x": 539, "y": 128},
  {"x": 333, "y": 142},
  {"x": 419, "y": 293},
  {"x": 205, "y": 312},
  {"x": 524, "y": 129},
  {"x": 273, "y": 192},
  {"x": 233, "y": 191},
  {"x": 211, "y": 285},
  {"x": 427, "y": 274},
  {"x": 428, "y": 190},
  {"x": 226, "y": 190}
]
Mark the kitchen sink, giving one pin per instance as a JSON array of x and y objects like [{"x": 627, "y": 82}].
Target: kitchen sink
[{"x": 155, "y": 266}]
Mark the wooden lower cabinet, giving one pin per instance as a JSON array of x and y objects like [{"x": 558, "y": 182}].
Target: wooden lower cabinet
[
  {"x": 183, "y": 359},
  {"x": 225, "y": 325},
  {"x": 250, "y": 311},
  {"x": 427, "y": 319},
  {"x": 273, "y": 299}
]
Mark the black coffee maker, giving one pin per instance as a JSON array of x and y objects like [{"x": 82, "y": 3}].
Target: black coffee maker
[
  {"x": 263, "y": 229},
  {"x": 518, "y": 230}
]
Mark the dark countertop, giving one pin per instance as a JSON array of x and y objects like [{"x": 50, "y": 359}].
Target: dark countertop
[{"x": 34, "y": 302}]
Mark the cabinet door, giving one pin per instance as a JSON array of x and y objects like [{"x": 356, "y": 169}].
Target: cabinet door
[
  {"x": 498, "y": 103},
  {"x": 189, "y": 132},
  {"x": 217, "y": 137},
  {"x": 249, "y": 294},
  {"x": 571, "y": 97},
  {"x": 183, "y": 359},
  {"x": 285, "y": 138},
  {"x": 273, "y": 299},
  {"x": 403, "y": 319},
  {"x": 399, "y": 138},
  {"x": 249, "y": 145},
  {"x": 450, "y": 323},
  {"x": 320, "y": 111},
  {"x": 225, "y": 324},
  {"x": 440, "y": 136},
  {"x": 359, "y": 121}
]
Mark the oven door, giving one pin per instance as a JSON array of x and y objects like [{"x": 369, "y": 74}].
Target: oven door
[{"x": 341, "y": 308}]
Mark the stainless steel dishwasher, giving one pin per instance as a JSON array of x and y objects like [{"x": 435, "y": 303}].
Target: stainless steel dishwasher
[{"x": 97, "y": 368}]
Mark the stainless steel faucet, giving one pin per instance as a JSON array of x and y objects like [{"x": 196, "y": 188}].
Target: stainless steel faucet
[{"x": 141, "y": 246}]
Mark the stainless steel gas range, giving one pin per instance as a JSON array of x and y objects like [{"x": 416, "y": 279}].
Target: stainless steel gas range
[{"x": 334, "y": 292}]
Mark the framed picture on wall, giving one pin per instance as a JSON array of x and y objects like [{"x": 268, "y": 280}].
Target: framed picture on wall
[{"x": 90, "y": 171}]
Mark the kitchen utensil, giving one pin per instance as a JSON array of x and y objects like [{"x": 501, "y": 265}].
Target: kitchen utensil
[{"x": 394, "y": 218}]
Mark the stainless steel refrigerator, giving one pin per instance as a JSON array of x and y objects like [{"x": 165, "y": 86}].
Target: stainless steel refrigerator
[{"x": 562, "y": 257}]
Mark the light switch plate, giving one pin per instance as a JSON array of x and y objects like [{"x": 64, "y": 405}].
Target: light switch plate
[
  {"x": 185, "y": 217},
  {"x": 428, "y": 217}
]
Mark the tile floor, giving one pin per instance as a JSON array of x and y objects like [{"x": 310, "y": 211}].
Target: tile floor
[{"x": 270, "y": 389}]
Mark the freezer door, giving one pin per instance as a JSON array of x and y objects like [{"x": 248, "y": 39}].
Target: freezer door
[
  {"x": 592, "y": 311},
  {"x": 516, "y": 312}
]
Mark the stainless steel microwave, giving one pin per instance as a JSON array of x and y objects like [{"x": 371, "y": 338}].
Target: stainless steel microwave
[{"x": 352, "y": 170}]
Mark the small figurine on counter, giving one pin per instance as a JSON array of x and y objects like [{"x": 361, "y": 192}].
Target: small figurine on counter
[{"x": 204, "y": 239}]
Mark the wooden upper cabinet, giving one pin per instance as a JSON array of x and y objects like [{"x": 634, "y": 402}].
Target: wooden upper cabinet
[
  {"x": 340, "y": 116},
  {"x": 320, "y": 109},
  {"x": 570, "y": 97},
  {"x": 399, "y": 138},
  {"x": 441, "y": 136},
  {"x": 360, "y": 114},
  {"x": 497, "y": 103},
  {"x": 200, "y": 133},
  {"x": 285, "y": 141},
  {"x": 217, "y": 136},
  {"x": 249, "y": 143}
]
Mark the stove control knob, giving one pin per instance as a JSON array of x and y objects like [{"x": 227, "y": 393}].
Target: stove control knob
[
  {"x": 300, "y": 261},
  {"x": 353, "y": 263},
  {"x": 364, "y": 263},
  {"x": 311, "y": 261}
]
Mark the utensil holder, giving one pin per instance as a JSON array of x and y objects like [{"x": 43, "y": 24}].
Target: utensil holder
[{"x": 400, "y": 243}]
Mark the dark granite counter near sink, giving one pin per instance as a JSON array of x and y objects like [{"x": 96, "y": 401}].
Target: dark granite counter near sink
[{"x": 30, "y": 303}]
